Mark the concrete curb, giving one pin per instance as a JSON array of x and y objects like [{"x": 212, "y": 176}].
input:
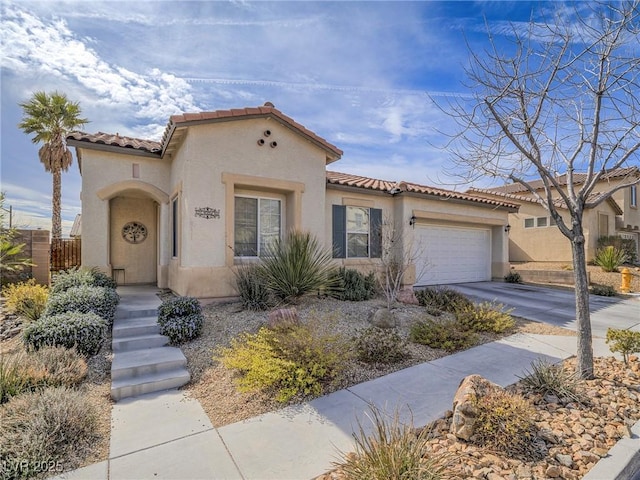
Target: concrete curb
[{"x": 623, "y": 460}]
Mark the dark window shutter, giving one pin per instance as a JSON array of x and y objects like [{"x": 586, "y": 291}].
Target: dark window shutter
[
  {"x": 375, "y": 231},
  {"x": 339, "y": 231}
]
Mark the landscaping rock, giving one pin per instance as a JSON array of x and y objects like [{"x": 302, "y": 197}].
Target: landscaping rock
[
  {"x": 464, "y": 411},
  {"x": 283, "y": 317},
  {"x": 408, "y": 296},
  {"x": 383, "y": 318}
]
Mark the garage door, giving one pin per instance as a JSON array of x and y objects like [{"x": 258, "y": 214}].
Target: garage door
[{"x": 453, "y": 254}]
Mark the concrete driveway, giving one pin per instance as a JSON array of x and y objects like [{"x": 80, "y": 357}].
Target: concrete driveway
[{"x": 557, "y": 306}]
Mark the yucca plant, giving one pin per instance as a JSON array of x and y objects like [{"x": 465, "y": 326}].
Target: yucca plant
[
  {"x": 610, "y": 258},
  {"x": 297, "y": 265}
]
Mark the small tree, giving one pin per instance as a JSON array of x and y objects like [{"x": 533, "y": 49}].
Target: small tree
[
  {"x": 559, "y": 104},
  {"x": 12, "y": 258}
]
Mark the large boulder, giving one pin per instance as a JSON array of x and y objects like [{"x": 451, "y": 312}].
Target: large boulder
[
  {"x": 471, "y": 388},
  {"x": 383, "y": 318}
]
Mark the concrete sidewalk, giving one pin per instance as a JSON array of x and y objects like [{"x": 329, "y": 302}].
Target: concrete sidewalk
[{"x": 167, "y": 435}]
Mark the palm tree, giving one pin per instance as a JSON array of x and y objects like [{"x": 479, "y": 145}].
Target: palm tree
[{"x": 52, "y": 117}]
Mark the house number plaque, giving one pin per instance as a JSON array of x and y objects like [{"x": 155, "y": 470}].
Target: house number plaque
[{"x": 207, "y": 212}]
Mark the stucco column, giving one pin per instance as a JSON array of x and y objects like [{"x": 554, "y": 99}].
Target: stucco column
[
  {"x": 164, "y": 244},
  {"x": 95, "y": 234},
  {"x": 499, "y": 252}
]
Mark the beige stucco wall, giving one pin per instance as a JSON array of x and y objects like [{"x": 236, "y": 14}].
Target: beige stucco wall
[
  {"x": 213, "y": 164},
  {"x": 631, "y": 215}
]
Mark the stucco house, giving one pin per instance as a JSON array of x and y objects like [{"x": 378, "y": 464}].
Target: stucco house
[
  {"x": 533, "y": 234},
  {"x": 182, "y": 212}
]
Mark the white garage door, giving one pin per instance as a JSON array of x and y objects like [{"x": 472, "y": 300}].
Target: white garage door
[{"x": 453, "y": 254}]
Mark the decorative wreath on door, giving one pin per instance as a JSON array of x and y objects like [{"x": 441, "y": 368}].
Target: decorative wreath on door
[{"x": 134, "y": 232}]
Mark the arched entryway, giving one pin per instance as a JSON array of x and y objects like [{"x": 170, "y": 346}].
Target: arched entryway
[{"x": 133, "y": 239}]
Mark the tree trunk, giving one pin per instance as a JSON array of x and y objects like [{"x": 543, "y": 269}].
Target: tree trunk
[
  {"x": 584, "y": 367},
  {"x": 56, "y": 200}
]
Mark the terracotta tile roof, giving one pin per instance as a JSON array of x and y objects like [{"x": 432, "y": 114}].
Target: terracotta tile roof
[
  {"x": 116, "y": 141},
  {"x": 267, "y": 110},
  {"x": 558, "y": 202},
  {"x": 345, "y": 179},
  {"x": 578, "y": 178}
]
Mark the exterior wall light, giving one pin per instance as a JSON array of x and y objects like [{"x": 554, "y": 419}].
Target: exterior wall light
[
  {"x": 507, "y": 228},
  {"x": 412, "y": 221}
]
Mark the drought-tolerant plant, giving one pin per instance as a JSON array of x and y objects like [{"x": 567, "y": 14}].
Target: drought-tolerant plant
[
  {"x": 505, "y": 422},
  {"x": 15, "y": 376},
  {"x": 84, "y": 331},
  {"x": 45, "y": 431},
  {"x": 485, "y": 317},
  {"x": 297, "y": 265},
  {"x": 27, "y": 299},
  {"x": 253, "y": 291},
  {"x": 444, "y": 334},
  {"x": 63, "y": 366},
  {"x": 442, "y": 298},
  {"x": 394, "y": 451},
  {"x": 627, "y": 245},
  {"x": 290, "y": 361},
  {"x": 603, "y": 290},
  {"x": 625, "y": 342},
  {"x": 76, "y": 277},
  {"x": 513, "y": 277},
  {"x": 380, "y": 345},
  {"x": 547, "y": 378},
  {"x": 356, "y": 286},
  {"x": 610, "y": 258},
  {"x": 102, "y": 301},
  {"x": 180, "y": 319}
]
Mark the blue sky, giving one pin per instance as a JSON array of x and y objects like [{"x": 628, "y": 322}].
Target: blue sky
[{"x": 360, "y": 74}]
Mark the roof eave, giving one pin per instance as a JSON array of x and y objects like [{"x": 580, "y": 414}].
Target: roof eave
[{"x": 111, "y": 148}]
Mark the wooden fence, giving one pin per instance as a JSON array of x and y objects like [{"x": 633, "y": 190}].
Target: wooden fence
[{"x": 65, "y": 253}]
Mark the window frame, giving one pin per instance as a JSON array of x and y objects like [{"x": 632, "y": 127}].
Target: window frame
[
  {"x": 633, "y": 196},
  {"x": 367, "y": 233},
  {"x": 175, "y": 226},
  {"x": 532, "y": 220},
  {"x": 259, "y": 234},
  {"x": 544, "y": 219}
]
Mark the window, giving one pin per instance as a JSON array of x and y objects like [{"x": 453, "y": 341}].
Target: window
[
  {"x": 174, "y": 227},
  {"x": 257, "y": 225},
  {"x": 529, "y": 222},
  {"x": 356, "y": 232},
  {"x": 603, "y": 225},
  {"x": 541, "y": 222},
  {"x": 633, "y": 197},
  {"x": 552, "y": 222}
]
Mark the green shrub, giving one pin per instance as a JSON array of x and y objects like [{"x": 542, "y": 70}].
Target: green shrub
[
  {"x": 505, "y": 422},
  {"x": 27, "y": 299},
  {"x": 624, "y": 341},
  {"x": 253, "y": 291},
  {"x": 485, "y": 317},
  {"x": 84, "y": 299},
  {"x": 297, "y": 265},
  {"x": 180, "y": 319},
  {"x": 513, "y": 277},
  {"x": 296, "y": 360},
  {"x": 546, "y": 378},
  {"x": 392, "y": 452},
  {"x": 445, "y": 334},
  {"x": 84, "y": 331},
  {"x": 442, "y": 298},
  {"x": 380, "y": 345},
  {"x": 356, "y": 287},
  {"x": 627, "y": 245},
  {"x": 44, "y": 432},
  {"x": 77, "y": 277},
  {"x": 610, "y": 258},
  {"x": 603, "y": 290}
]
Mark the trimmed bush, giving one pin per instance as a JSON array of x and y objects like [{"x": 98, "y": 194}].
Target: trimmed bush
[
  {"x": 356, "y": 287},
  {"x": 380, "y": 345},
  {"x": 27, "y": 299},
  {"x": 625, "y": 342},
  {"x": 513, "y": 277},
  {"x": 485, "y": 317},
  {"x": 44, "y": 432},
  {"x": 253, "y": 291},
  {"x": 603, "y": 290},
  {"x": 610, "y": 258},
  {"x": 392, "y": 452},
  {"x": 505, "y": 422},
  {"x": 180, "y": 319},
  {"x": 84, "y": 331},
  {"x": 77, "y": 277},
  {"x": 442, "y": 298},
  {"x": 546, "y": 378},
  {"x": 291, "y": 361},
  {"x": 84, "y": 299},
  {"x": 445, "y": 334}
]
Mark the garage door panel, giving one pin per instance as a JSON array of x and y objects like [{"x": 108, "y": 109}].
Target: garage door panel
[{"x": 453, "y": 254}]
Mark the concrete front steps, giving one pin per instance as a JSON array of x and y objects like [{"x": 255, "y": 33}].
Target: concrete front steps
[{"x": 142, "y": 363}]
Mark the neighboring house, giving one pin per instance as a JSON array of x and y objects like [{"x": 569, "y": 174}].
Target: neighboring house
[
  {"x": 76, "y": 228},
  {"x": 533, "y": 234},
  {"x": 182, "y": 212}
]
